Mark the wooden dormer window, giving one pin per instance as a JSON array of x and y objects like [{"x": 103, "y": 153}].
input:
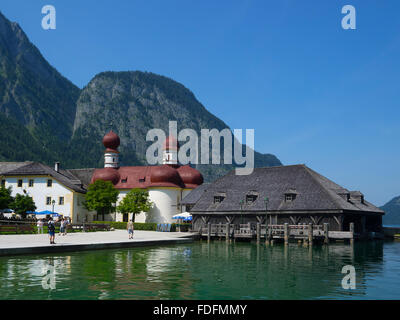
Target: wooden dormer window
[
  {"x": 125, "y": 180},
  {"x": 250, "y": 198},
  {"x": 219, "y": 197},
  {"x": 290, "y": 194},
  {"x": 289, "y": 197},
  {"x": 142, "y": 179}
]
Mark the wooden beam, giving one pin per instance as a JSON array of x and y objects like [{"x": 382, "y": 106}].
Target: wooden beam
[
  {"x": 339, "y": 220},
  {"x": 310, "y": 233},
  {"x": 286, "y": 233},
  {"x": 326, "y": 232},
  {"x": 352, "y": 232}
]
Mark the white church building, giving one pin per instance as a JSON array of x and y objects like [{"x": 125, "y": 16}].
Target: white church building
[
  {"x": 63, "y": 191},
  {"x": 167, "y": 184}
]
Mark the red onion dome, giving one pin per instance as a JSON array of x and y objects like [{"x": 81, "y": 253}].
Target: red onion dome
[
  {"x": 106, "y": 174},
  {"x": 111, "y": 140},
  {"x": 171, "y": 143},
  {"x": 165, "y": 174},
  {"x": 190, "y": 176}
]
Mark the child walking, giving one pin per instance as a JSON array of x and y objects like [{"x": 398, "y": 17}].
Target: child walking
[{"x": 130, "y": 228}]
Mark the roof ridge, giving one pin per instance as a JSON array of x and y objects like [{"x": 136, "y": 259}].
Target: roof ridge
[
  {"x": 23, "y": 165},
  {"x": 282, "y": 166},
  {"x": 310, "y": 172}
]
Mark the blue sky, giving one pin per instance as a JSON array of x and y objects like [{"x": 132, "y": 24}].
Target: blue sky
[{"x": 314, "y": 92}]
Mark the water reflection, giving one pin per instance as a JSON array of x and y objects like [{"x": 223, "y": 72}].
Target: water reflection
[{"x": 209, "y": 270}]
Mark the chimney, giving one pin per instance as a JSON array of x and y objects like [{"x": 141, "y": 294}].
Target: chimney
[{"x": 57, "y": 167}]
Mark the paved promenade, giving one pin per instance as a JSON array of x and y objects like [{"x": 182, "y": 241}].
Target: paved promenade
[{"x": 39, "y": 243}]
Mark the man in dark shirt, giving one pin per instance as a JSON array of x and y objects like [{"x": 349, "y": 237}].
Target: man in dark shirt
[{"x": 51, "y": 227}]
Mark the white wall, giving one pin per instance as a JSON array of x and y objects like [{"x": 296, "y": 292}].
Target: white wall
[
  {"x": 40, "y": 191},
  {"x": 81, "y": 214},
  {"x": 165, "y": 205}
]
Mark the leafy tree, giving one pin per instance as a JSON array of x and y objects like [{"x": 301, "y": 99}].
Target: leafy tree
[
  {"x": 22, "y": 204},
  {"x": 136, "y": 201},
  {"x": 5, "y": 198},
  {"x": 100, "y": 197}
]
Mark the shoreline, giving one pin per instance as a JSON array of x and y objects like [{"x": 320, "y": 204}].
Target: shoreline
[{"x": 11, "y": 245}]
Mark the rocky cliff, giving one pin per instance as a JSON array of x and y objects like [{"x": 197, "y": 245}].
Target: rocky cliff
[{"x": 44, "y": 117}]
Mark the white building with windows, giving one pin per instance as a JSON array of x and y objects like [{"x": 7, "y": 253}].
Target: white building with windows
[
  {"x": 167, "y": 184},
  {"x": 63, "y": 191},
  {"x": 52, "y": 189}
]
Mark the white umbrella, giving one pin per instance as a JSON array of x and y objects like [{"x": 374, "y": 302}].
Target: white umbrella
[{"x": 182, "y": 215}]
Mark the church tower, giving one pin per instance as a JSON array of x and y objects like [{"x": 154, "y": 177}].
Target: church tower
[
  {"x": 111, "y": 154},
  {"x": 170, "y": 151}
]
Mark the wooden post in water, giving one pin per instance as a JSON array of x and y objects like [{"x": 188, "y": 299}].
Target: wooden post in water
[
  {"x": 363, "y": 228},
  {"x": 258, "y": 232},
  {"x": 326, "y": 233},
  {"x": 268, "y": 234},
  {"x": 228, "y": 231},
  {"x": 286, "y": 233},
  {"x": 310, "y": 233},
  {"x": 209, "y": 231},
  {"x": 352, "y": 232}
]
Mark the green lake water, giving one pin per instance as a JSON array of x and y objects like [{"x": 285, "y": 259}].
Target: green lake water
[{"x": 202, "y": 270}]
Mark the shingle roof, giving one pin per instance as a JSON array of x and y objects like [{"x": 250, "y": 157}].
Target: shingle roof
[
  {"x": 8, "y": 166},
  {"x": 35, "y": 168},
  {"x": 84, "y": 175},
  {"x": 313, "y": 192},
  {"x": 195, "y": 194}
]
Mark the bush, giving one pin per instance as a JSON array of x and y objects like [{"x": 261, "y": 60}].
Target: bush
[{"x": 138, "y": 225}]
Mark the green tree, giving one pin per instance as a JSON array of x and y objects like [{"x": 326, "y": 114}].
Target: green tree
[
  {"x": 100, "y": 197},
  {"x": 22, "y": 204},
  {"x": 5, "y": 198},
  {"x": 136, "y": 201}
]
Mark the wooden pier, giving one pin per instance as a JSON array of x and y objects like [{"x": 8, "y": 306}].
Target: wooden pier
[{"x": 306, "y": 233}]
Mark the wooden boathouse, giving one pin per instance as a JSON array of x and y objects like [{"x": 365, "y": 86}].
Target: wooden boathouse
[{"x": 282, "y": 203}]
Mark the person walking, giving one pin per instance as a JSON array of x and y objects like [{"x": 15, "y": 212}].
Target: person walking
[
  {"x": 39, "y": 226},
  {"x": 130, "y": 228},
  {"x": 62, "y": 227},
  {"x": 51, "y": 227},
  {"x": 66, "y": 223}
]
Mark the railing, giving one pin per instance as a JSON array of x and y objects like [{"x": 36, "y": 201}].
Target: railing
[
  {"x": 298, "y": 230},
  {"x": 245, "y": 230},
  {"x": 277, "y": 231},
  {"x": 217, "y": 229},
  {"x": 16, "y": 228},
  {"x": 16, "y": 221},
  {"x": 30, "y": 227}
]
